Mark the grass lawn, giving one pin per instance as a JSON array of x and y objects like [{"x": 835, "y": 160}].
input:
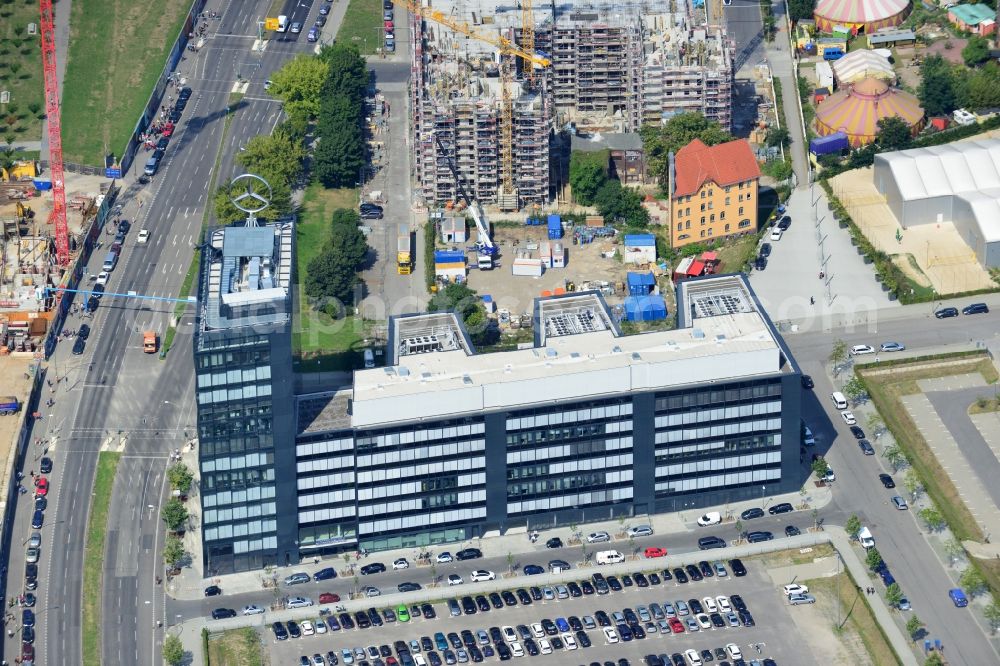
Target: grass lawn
[
  {"x": 21, "y": 71},
  {"x": 320, "y": 343},
  {"x": 737, "y": 252},
  {"x": 117, "y": 51},
  {"x": 362, "y": 25},
  {"x": 855, "y": 615},
  {"x": 97, "y": 524},
  {"x": 238, "y": 647}
]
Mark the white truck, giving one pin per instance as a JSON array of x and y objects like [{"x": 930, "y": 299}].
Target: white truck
[{"x": 609, "y": 557}]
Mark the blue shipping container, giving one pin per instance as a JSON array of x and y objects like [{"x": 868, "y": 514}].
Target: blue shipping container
[
  {"x": 640, "y": 284},
  {"x": 828, "y": 145},
  {"x": 448, "y": 256},
  {"x": 533, "y": 221},
  {"x": 645, "y": 308},
  {"x": 555, "y": 227}
]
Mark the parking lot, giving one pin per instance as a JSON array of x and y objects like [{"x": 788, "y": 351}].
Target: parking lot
[{"x": 763, "y": 600}]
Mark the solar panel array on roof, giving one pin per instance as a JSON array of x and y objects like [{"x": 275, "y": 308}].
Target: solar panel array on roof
[{"x": 713, "y": 304}]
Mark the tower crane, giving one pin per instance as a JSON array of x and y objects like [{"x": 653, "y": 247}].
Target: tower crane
[
  {"x": 48, "y": 32},
  {"x": 508, "y": 48},
  {"x": 528, "y": 35}
]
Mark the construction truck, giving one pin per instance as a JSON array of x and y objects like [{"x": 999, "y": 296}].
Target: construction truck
[
  {"x": 149, "y": 342},
  {"x": 404, "y": 252}
]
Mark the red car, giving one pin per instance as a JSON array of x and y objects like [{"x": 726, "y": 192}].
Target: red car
[
  {"x": 656, "y": 551},
  {"x": 329, "y": 598},
  {"x": 41, "y": 486},
  {"x": 676, "y": 625},
  {"x": 388, "y": 26},
  {"x": 168, "y": 129}
]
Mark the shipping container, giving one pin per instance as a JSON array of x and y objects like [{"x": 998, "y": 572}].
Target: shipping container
[
  {"x": 640, "y": 284},
  {"x": 555, "y": 227},
  {"x": 545, "y": 254},
  {"x": 829, "y": 145},
  {"x": 558, "y": 256},
  {"x": 527, "y": 267},
  {"x": 645, "y": 308}
]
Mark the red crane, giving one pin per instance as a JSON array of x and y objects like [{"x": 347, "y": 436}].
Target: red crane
[{"x": 55, "y": 132}]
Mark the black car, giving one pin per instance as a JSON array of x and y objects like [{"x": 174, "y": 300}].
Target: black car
[
  {"x": 693, "y": 573},
  {"x": 614, "y": 583},
  {"x": 46, "y": 465},
  {"x": 792, "y": 530},
  {"x": 213, "y": 591},
  {"x": 92, "y": 304},
  {"x": 293, "y": 629},
  {"x": 857, "y": 432},
  {"x": 705, "y": 543},
  {"x": 640, "y": 581},
  {"x": 750, "y": 514},
  {"x": 509, "y": 598},
  {"x": 325, "y": 574},
  {"x": 30, "y": 576},
  {"x": 737, "y": 602},
  {"x": 587, "y": 587},
  {"x": 524, "y": 597},
  {"x": 374, "y": 617},
  {"x": 784, "y": 507},
  {"x": 468, "y": 606},
  {"x": 717, "y": 621},
  {"x": 975, "y": 308},
  {"x": 626, "y": 580},
  {"x": 362, "y": 619},
  {"x": 757, "y": 537},
  {"x": 695, "y": 606},
  {"x": 124, "y": 226},
  {"x": 574, "y": 589},
  {"x": 746, "y": 618},
  {"x": 162, "y": 143},
  {"x": 426, "y": 644},
  {"x": 79, "y": 345},
  {"x": 408, "y": 587},
  {"x": 371, "y": 215},
  {"x": 280, "y": 633},
  {"x": 574, "y": 623},
  {"x": 373, "y": 568},
  {"x": 602, "y": 619},
  {"x": 548, "y": 626},
  {"x": 174, "y": 116},
  {"x": 944, "y": 313},
  {"x": 324, "y": 10},
  {"x": 666, "y": 574},
  {"x": 536, "y": 592},
  {"x": 886, "y": 480},
  {"x": 495, "y": 600},
  {"x": 680, "y": 575},
  {"x": 37, "y": 519},
  {"x": 41, "y": 504},
  {"x": 223, "y": 613},
  {"x": 554, "y": 542},
  {"x": 427, "y": 611},
  {"x": 654, "y": 579},
  {"x": 27, "y": 618},
  {"x": 706, "y": 569},
  {"x": 866, "y": 447},
  {"x": 785, "y": 222},
  {"x": 184, "y": 93},
  {"x": 82, "y": 332},
  {"x": 760, "y": 263},
  {"x": 533, "y": 570},
  {"x": 468, "y": 554},
  {"x": 98, "y": 290},
  {"x": 503, "y": 651},
  {"x": 765, "y": 250},
  {"x": 807, "y": 382}
]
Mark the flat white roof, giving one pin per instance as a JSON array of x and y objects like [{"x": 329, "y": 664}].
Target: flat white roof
[{"x": 432, "y": 385}]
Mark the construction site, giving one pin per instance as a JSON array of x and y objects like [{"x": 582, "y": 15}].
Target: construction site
[{"x": 497, "y": 91}]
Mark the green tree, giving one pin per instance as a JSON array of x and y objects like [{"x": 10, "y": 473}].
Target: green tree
[
  {"x": 913, "y": 626},
  {"x": 619, "y": 204},
  {"x": 298, "y": 85},
  {"x": 588, "y": 172},
  {"x": 855, "y": 390},
  {"x": 875, "y": 423},
  {"x": 853, "y": 526},
  {"x": 893, "y": 595},
  {"x": 820, "y": 467},
  {"x": 972, "y": 580},
  {"x": 893, "y": 134},
  {"x": 330, "y": 281},
  {"x": 467, "y": 304},
  {"x": 173, "y": 650},
  {"x": 339, "y": 155},
  {"x": 801, "y": 9},
  {"x": 777, "y": 136},
  {"x": 174, "y": 514},
  {"x": 838, "y": 352},
  {"x": 894, "y": 455},
  {"x": 976, "y": 51},
  {"x": 912, "y": 484},
  {"x": 934, "y": 659},
  {"x": 937, "y": 86},
  {"x": 992, "y": 615},
  {"x": 276, "y": 157},
  {"x": 180, "y": 477},
  {"x": 932, "y": 518},
  {"x": 954, "y": 549},
  {"x": 873, "y": 559},
  {"x": 661, "y": 140},
  {"x": 981, "y": 87},
  {"x": 173, "y": 551}
]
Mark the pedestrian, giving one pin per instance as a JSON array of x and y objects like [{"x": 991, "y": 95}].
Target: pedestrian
[{"x": 812, "y": 301}]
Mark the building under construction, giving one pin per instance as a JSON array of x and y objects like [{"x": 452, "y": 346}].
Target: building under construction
[{"x": 613, "y": 66}]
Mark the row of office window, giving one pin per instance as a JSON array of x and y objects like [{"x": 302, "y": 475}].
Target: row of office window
[
  {"x": 345, "y": 478},
  {"x": 225, "y": 463},
  {"x": 687, "y": 434},
  {"x": 324, "y": 464},
  {"x": 554, "y": 502},
  {"x": 460, "y": 448},
  {"x": 710, "y": 396},
  {"x": 255, "y": 545},
  {"x": 557, "y": 434},
  {"x": 234, "y": 393},
  {"x": 569, "y": 482},
  {"x": 428, "y": 469},
  {"x": 453, "y": 430},
  {"x": 230, "y": 530},
  {"x": 225, "y": 497},
  {"x": 237, "y": 375},
  {"x": 595, "y": 412},
  {"x": 397, "y": 523},
  {"x": 718, "y": 413},
  {"x": 575, "y": 465},
  {"x": 715, "y": 464},
  {"x": 328, "y": 497},
  {"x": 715, "y": 447},
  {"x": 346, "y": 511},
  {"x": 715, "y": 481},
  {"x": 329, "y": 533},
  {"x": 424, "y": 503},
  {"x": 307, "y": 449},
  {"x": 260, "y": 355},
  {"x": 429, "y": 485},
  {"x": 237, "y": 428},
  {"x": 586, "y": 448},
  {"x": 240, "y": 512},
  {"x": 236, "y": 479}
]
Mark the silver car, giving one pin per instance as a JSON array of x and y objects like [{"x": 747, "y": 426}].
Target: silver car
[
  {"x": 798, "y": 599},
  {"x": 598, "y": 537},
  {"x": 899, "y": 503}
]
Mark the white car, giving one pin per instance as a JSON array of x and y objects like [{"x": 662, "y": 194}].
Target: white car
[
  {"x": 401, "y": 563},
  {"x": 848, "y": 417},
  {"x": 829, "y": 477},
  {"x": 252, "y": 610},
  {"x": 734, "y": 651},
  {"x": 776, "y": 234},
  {"x": 102, "y": 278},
  {"x": 710, "y": 605},
  {"x": 509, "y": 634},
  {"x": 544, "y": 646},
  {"x": 569, "y": 641},
  {"x": 537, "y": 631},
  {"x": 455, "y": 579},
  {"x": 143, "y": 237},
  {"x": 516, "y": 649},
  {"x": 444, "y": 558},
  {"x": 299, "y": 602},
  {"x": 598, "y": 537},
  {"x": 640, "y": 531},
  {"x": 794, "y": 588},
  {"x": 307, "y": 628},
  {"x": 859, "y": 350},
  {"x": 703, "y": 621},
  {"x": 710, "y": 518},
  {"x": 480, "y": 575},
  {"x": 693, "y": 658},
  {"x": 320, "y": 626},
  {"x": 724, "y": 605},
  {"x": 610, "y": 635}
]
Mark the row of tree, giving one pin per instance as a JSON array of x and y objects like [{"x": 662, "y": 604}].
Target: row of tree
[
  {"x": 945, "y": 87},
  {"x": 340, "y": 154},
  {"x": 588, "y": 176},
  {"x": 332, "y": 275}
]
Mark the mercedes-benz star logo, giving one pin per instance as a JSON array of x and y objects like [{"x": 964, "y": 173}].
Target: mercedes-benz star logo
[{"x": 250, "y": 193}]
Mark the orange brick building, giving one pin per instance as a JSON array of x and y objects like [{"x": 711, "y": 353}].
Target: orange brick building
[{"x": 713, "y": 192}]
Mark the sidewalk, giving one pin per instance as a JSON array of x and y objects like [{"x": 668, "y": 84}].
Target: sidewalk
[{"x": 188, "y": 585}]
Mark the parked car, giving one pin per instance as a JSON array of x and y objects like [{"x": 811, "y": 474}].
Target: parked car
[
  {"x": 975, "y": 308},
  {"x": 945, "y": 313},
  {"x": 892, "y": 347},
  {"x": 598, "y": 537},
  {"x": 807, "y": 382},
  {"x": 958, "y": 597},
  {"x": 798, "y": 599},
  {"x": 857, "y": 432},
  {"x": 750, "y": 514},
  {"x": 899, "y": 503},
  {"x": 860, "y": 350},
  {"x": 710, "y": 518},
  {"x": 866, "y": 447},
  {"x": 784, "y": 507},
  {"x": 469, "y": 554},
  {"x": 707, "y": 543},
  {"x": 848, "y": 417}
]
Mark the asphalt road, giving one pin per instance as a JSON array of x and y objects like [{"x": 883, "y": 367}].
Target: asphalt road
[
  {"x": 762, "y": 599},
  {"x": 744, "y": 27}
]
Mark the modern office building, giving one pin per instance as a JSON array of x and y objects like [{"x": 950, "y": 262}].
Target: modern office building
[
  {"x": 244, "y": 385},
  {"x": 444, "y": 444}
]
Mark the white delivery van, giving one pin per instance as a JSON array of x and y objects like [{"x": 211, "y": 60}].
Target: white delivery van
[
  {"x": 839, "y": 400},
  {"x": 609, "y": 557},
  {"x": 866, "y": 538},
  {"x": 282, "y": 23}
]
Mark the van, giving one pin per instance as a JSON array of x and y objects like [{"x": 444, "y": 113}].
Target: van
[
  {"x": 609, "y": 557},
  {"x": 152, "y": 164},
  {"x": 369, "y": 359},
  {"x": 839, "y": 400},
  {"x": 866, "y": 538},
  {"x": 282, "y": 23},
  {"x": 110, "y": 261}
]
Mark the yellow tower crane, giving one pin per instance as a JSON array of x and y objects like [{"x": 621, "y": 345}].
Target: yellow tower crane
[
  {"x": 508, "y": 48},
  {"x": 528, "y": 35}
]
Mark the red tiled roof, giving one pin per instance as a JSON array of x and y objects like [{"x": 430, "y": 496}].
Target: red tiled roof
[{"x": 725, "y": 164}]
